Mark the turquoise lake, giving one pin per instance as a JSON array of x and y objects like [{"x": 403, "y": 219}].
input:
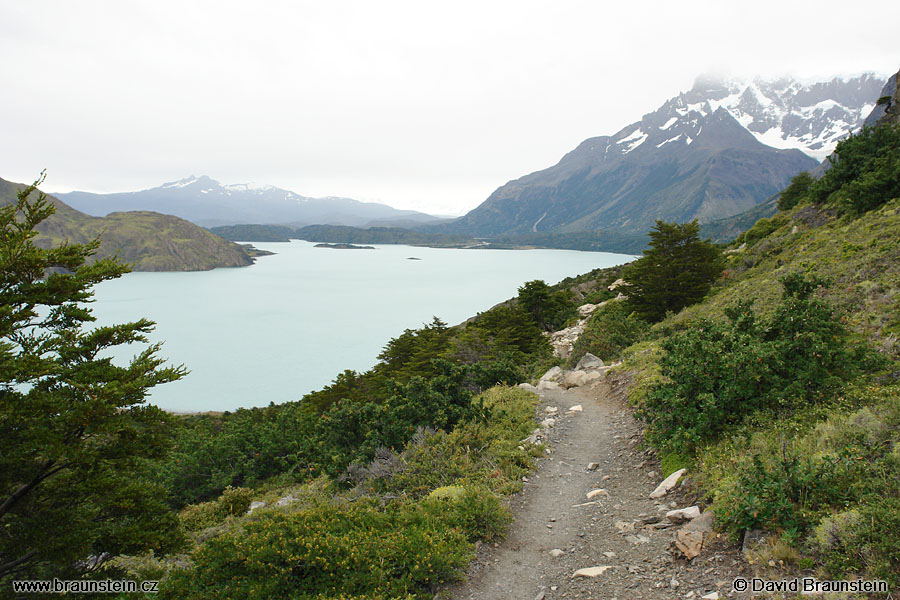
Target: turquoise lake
[{"x": 290, "y": 323}]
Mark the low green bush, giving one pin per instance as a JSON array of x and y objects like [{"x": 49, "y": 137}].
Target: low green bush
[
  {"x": 862, "y": 539},
  {"x": 762, "y": 228},
  {"x": 796, "y": 191},
  {"x": 864, "y": 173},
  {"x": 339, "y": 549},
  {"x": 478, "y": 452},
  {"x": 475, "y": 510},
  {"x": 549, "y": 308},
  {"x": 611, "y": 329},
  {"x": 718, "y": 374},
  {"x": 772, "y": 493},
  {"x": 828, "y": 481},
  {"x": 232, "y": 502}
]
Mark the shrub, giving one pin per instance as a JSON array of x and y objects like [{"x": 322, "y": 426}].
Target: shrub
[
  {"x": 769, "y": 495},
  {"x": 717, "y": 374},
  {"x": 864, "y": 173},
  {"x": 235, "y": 501},
  {"x": 503, "y": 329},
  {"x": 611, "y": 329},
  {"x": 862, "y": 539},
  {"x": 232, "y": 502},
  {"x": 483, "y": 451},
  {"x": 826, "y": 477},
  {"x": 475, "y": 510},
  {"x": 550, "y": 309},
  {"x": 345, "y": 549},
  {"x": 796, "y": 191},
  {"x": 762, "y": 228},
  {"x": 677, "y": 270}
]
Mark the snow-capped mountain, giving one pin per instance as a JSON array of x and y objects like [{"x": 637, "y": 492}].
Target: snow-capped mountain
[
  {"x": 207, "y": 202},
  {"x": 785, "y": 113},
  {"x": 714, "y": 151}
]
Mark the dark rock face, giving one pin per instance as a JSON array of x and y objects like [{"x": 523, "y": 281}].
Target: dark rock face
[{"x": 887, "y": 110}]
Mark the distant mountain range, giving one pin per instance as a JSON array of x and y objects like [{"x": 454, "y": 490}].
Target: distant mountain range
[
  {"x": 149, "y": 241},
  {"x": 207, "y": 202},
  {"x": 715, "y": 151}
]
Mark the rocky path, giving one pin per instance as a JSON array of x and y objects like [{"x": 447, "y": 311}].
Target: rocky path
[{"x": 559, "y": 530}]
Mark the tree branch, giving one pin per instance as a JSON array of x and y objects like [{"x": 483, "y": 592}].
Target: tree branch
[
  {"x": 6, "y": 569},
  {"x": 48, "y": 471}
]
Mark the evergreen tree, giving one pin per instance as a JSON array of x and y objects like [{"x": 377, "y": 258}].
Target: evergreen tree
[
  {"x": 793, "y": 193},
  {"x": 676, "y": 271},
  {"x": 549, "y": 309},
  {"x": 74, "y": 430}
]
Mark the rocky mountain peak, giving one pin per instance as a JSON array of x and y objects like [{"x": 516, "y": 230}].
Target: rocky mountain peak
[
  {"x": 715, "y": 150},
  {"x": 786, "y": 113}
]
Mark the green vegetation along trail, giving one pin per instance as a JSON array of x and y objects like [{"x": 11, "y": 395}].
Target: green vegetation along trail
[{"x": 553, "y": 512}]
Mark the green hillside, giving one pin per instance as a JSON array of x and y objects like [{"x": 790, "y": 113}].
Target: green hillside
[
  {"x": 780, "y": 391},
  {"x": 725, "y": 230},
  {"x": 147, "y": 240}
]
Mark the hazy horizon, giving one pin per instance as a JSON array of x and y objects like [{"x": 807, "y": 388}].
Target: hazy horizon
[{"x": 428, "y": 107}]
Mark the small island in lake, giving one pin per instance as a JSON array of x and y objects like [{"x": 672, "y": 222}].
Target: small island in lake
[{"x": 345, "y": 246}]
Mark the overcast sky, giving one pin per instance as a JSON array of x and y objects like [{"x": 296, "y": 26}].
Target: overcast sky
[{"x": 416, "y": 104}]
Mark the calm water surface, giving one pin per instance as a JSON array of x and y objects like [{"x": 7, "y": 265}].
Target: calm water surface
[{"x": 288, "y": 324}]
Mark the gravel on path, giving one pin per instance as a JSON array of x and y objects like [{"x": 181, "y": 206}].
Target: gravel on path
[{"x": 613, "y": 528}]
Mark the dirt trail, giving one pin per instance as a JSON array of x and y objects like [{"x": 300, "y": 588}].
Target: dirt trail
[{"x": 550, "y": 514}]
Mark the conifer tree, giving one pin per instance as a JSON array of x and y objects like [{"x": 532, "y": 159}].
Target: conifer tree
[
  {"x": 676, "y": 271},
  {"x": 75, "y": 432}
]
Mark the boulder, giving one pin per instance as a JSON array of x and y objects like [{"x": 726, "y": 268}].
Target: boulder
[
  {"x": 533, "y": 438},
  {"x": 528, "y": 387},
  {"x": 547, "y": 385},
  {"x": 589, "y": 361},
  {"x": 667, "y": 484},
  {"x": 556, "y": 553},
  {"x": 689, "y": 543},
  {"x": 593, "y": 376},
  {"x": 753, "y": 538},
  {"x": 576, "y": 408},
  {"x": 580, "y": 378},
  {"x": 254, "y": 505},
  {"x": 548, "y": 422},
  {"x": 683, "y": 514},
  {"x": 615, "y": 284},
  {"x": 553, "y": 374},
  {"x": 597, "y": 492},
  {"x": 586, "y": 309},
  {"x": 703, "y": 523},
  {"x": 563, "y": 341},
  {"x": 574, "y": 379},
  {"x": 286, "y": 500}
]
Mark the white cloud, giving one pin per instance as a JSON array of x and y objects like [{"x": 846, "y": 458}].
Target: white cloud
[{"x": 412, "y": 103}]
